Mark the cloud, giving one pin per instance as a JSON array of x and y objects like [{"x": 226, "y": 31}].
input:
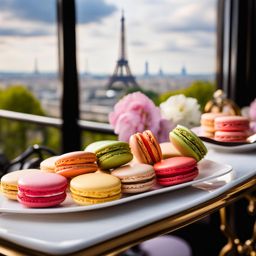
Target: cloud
[
  {"x": 43, "y": 15},
  {"x": 201, "y": 41},
  {"x": 23, "y": 33},
  {"x": 93, "y": 10},
  {"x": 190, "y": 18}
]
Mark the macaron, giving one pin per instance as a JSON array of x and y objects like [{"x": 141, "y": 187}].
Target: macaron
[
  {"x": 75, "y": 163},
  {"x": 94, "y": 188},
  {"x": 9, "y": 182},
  {"x": 231, "y": 136},
  {"x": 207, "y": 123},
  {"x": 187, "y": 142},
  {"x": 39, "y": 190},
  {"x": 145, "y": 147},
  {"x": 135, "y": 178},
  {"x": 176, "y": 170},
  {"x": 231, "y": 123},
  {"x": 168, "y": 150},
  {"x": 110, "y": 153},
  {"x": 48, "y": 165}
]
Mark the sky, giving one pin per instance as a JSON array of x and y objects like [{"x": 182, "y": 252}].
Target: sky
[{"x": 168, "y": 34}]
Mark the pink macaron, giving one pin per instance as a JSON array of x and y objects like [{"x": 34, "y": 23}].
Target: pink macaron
[
  {"x": 231, "y": 136},
  {"x": 38, "y": 190},
  {"x": 231, "y": 123},
  {"x": 135, "y": 178},
  {"x": 176, "y": 170}
]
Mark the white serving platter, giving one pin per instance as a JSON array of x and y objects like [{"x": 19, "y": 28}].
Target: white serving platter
[{"x": 208, "y": 170}]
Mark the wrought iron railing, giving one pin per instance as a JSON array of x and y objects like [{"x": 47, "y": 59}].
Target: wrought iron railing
[{"x": 55, "y": 122}]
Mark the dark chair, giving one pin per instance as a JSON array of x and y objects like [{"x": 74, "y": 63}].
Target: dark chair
[{"x": 30, "y": 158}]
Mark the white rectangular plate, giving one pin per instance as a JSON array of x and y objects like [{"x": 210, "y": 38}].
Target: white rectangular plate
[{"x": 208, "y": 170}]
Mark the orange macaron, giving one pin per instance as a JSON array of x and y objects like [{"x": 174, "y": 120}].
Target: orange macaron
[
  {"x": 75, "y": 163},
  {"x": 145, "y": 147}
]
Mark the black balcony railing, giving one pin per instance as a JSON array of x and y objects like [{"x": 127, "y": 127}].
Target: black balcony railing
[{"x": 55, "y": 122}]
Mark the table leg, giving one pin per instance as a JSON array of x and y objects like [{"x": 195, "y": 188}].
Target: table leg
[{"x": 234, "y": 245}]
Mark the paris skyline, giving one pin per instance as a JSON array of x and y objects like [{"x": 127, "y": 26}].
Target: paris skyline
[{"x": 167, "y": 34}]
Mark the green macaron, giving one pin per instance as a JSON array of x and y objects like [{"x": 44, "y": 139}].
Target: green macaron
[
  {"x": 110, "y": 153},
  {"x": 187, "y": 142}
]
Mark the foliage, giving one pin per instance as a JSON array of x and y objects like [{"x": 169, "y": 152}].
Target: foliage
[
  {"x": 201, "y": 90},
  {"x": 20, "y": 99},
  {"x": 16, "y": 136}
]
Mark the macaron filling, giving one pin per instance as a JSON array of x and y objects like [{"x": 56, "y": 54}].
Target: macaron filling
[
  {"x": 191, "y": 141},
  {"x": 151, "y": 154}
]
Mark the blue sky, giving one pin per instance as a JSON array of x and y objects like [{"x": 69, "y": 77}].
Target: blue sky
[{"x": 166, "y": 33}]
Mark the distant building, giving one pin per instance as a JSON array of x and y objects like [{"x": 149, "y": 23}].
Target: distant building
[
  {"x": 146, "y": 72},
  {"x": 183, "y": 71},
  {"x": 36, "y": 71},
  {"x": 160, "y": 72}
]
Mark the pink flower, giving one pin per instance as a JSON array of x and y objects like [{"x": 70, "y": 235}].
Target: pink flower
[
  {"x": 135, "y": 112},
  {"x": 252, "y": 110},
  {"x": 165, "y": 127},
  {"x": 253, "y": 126}
]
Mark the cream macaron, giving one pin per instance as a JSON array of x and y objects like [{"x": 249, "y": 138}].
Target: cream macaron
[
  {"x": 48, "y": 164},
  {"x": 136, "y": 178}
]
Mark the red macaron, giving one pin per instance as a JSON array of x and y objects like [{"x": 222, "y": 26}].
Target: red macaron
[{"x": 176, "y": 170}]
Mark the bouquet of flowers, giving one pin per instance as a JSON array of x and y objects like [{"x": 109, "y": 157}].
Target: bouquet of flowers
[{"x": 135, "y": 112}]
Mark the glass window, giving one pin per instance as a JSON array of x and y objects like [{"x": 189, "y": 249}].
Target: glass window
[{"x": 168, "y": 45}]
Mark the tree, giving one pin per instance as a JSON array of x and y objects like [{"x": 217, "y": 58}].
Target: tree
[{"x": 15, "y": 136}]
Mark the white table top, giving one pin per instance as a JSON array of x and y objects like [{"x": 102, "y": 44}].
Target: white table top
[{"x": 70, "y": 232}]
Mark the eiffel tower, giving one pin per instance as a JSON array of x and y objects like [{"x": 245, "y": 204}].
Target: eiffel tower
[{"x": 122, "y": 66}]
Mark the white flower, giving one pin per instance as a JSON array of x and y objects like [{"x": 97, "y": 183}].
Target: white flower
[{"x": 183, "y": 110}]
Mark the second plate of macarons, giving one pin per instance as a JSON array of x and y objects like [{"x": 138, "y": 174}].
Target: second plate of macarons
[
  {"x": 208, "y": 170},
  {"x": 231, "y": 149}
]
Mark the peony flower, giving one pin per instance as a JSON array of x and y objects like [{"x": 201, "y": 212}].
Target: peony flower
[
  {"x": 183, "y": 110},
  {"x": 135, "y": 112},
  {"x": 252, "y": 110}
]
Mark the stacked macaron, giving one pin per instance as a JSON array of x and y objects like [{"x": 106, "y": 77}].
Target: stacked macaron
[
  {"x": 231, "y": 128},
  {"x": 207, "y": 123}
]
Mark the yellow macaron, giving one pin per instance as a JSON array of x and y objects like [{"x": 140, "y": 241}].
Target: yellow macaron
[
  {"x": 94, "y": 188},
  {"x": 9, "y": 182}
]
